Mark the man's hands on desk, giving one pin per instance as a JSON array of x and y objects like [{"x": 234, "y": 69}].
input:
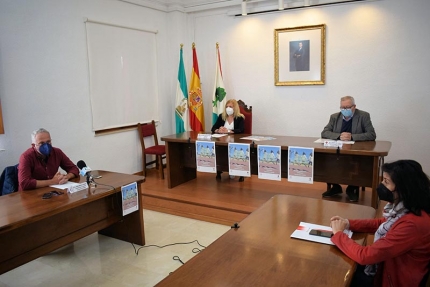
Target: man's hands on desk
[{"x": 345, "y": 137}]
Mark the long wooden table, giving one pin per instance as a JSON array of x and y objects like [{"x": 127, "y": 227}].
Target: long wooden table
[
  {"x": 357, "y": 164},
  {"x": 261, "y": 253},
  {"x": 31, "y": 226}
]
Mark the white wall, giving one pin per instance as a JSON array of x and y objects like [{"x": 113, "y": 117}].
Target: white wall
[
  {"x": 44, "y": 79},
  {"x": 376, "y": 52}
]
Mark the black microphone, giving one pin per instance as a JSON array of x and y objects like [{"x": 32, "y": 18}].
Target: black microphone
[{"x": 84, "y": 170}]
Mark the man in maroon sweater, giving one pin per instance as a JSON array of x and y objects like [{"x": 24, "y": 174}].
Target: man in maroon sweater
[{"x": 38, "y": 166}]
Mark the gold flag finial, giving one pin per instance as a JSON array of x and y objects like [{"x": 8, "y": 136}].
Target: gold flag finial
[
  {"x": 217, "y": 45},
  {"x": 182, "y": 45},
  {"x": 194, "y": 45}
]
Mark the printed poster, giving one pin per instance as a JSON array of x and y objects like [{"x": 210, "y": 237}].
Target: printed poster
[
  {"x": 300, "y": 164},
  {"x": 205, "y": 156},
  {"x": 238, "y": 159},
  {"x": 269, "y": 162},
  {"x": 130, "y": 201}
]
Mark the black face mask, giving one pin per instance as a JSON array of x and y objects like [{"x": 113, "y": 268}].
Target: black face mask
[{"x": 384, "y": 193}]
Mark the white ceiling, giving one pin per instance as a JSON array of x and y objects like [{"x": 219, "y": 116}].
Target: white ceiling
[{"x": 189, "y": 6}]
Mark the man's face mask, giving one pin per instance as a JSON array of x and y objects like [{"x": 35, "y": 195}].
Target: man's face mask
[{"x": 45, "y": 149}]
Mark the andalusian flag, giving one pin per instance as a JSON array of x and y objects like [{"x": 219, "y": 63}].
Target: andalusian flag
[
  {"x": 195, "y": 99},
  {"x": 181, "y": 111},
  {"x": 219, "y": 93}
]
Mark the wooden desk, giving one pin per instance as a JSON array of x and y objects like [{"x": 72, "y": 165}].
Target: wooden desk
[
  {"x": 31, "y": 226},
  {"x": 358, "y": 164},
  {"x": 261, "y": 252}
]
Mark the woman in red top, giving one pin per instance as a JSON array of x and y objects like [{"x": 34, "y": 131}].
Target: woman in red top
[{"x": 400, "y": 254}]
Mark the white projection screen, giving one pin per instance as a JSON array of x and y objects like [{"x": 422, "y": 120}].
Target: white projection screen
[{"x": 123, "y": 75}]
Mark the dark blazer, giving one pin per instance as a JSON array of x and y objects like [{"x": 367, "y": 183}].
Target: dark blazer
[
  {"x": 362, "y": 128},
  {"x": 239, "y": 124}
]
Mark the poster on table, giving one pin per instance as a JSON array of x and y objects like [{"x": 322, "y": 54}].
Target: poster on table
[
  {"x": 300, "y": 164},
  {"x": 130, "y": 201},
  {"x": 269, "y": 162},
  {"x": 205, "y": 156},
  {"x": 238, "y": 159}
]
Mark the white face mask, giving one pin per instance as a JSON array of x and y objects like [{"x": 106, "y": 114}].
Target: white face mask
[{"x": 229, "y": 111}]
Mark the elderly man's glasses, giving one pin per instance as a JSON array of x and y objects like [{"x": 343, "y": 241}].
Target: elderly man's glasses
[{"x": 346, "y": 108}]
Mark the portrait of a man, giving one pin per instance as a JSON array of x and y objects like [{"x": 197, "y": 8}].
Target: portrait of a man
[{"x": 299, "y": 60}]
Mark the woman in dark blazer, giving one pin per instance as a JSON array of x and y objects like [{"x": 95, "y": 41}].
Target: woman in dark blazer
[{"x": 230, "y": 120}]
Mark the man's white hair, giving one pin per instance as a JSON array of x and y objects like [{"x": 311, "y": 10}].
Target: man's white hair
[
  {"x": 348, "y": 98},
  {"x": 34, "y": 133}
]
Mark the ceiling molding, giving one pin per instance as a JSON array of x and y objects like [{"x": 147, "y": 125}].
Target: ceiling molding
[{"x": 253, "y": 6}]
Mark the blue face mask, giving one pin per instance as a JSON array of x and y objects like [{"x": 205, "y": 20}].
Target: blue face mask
[
  {"x": 347, "y": 113},
  {"x": 45, "y": 149}
]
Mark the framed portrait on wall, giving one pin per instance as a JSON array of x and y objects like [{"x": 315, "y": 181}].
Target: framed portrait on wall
[{"x": 300, "y": 56}]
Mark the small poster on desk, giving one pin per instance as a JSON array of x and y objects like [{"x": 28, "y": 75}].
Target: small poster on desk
[
  {"x": 238, "y": 159},
  {"x": 300, "y": 164},
  {"x": 269, "y": 162},
  {"x": 130, "y": 202},
  {"x": 205, "y": 156}
]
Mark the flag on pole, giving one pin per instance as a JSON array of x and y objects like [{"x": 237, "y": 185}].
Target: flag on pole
[
  {"x": 195, "y": 99},
  {"x": 219, "y": 93},
  {"x": 181, "y": 111}
]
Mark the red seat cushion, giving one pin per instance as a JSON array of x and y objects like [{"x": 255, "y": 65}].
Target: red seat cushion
[{"x": 157, "y": 150}]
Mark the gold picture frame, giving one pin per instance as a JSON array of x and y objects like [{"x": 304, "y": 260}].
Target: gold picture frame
[{"x": 300, "y": 56}]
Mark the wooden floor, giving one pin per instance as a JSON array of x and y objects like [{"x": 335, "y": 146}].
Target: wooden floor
[{"x": 226, "y": 201}]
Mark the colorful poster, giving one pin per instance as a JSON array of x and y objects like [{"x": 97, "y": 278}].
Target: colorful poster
[
  {"x": 238, "y": 159},
  {"x": 130, "y": 202},
  {"x": 269, "y": 162},
  {"x": 300, "y": 164},
  {"x": 205, "y": 156}
]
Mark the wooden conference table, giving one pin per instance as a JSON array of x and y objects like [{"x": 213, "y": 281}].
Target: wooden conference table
[
  {"x": 31, "y": 226},
  {"x": 261, "y": 253},
  {"x": 357, "y": 164}
]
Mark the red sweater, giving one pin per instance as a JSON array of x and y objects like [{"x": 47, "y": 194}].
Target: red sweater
[
  {"x": 33, "y": 167},
  {"x": 405, "y": 250}
]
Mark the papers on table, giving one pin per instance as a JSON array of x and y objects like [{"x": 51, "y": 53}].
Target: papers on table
[
  {"x": 333, "y": 143},
  {"x": 71, "y": 187},
  {"x": 218, "y": 135},
  {"x": 258, "y": 138},
  {"x": 302, "y": 232}
]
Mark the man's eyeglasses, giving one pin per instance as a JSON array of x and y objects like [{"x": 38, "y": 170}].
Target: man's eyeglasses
[{"x": 346, "y": 108}]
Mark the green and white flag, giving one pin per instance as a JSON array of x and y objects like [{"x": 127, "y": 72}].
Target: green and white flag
[
  {"x": 219, "y": 93},
  {"x": 181, "y": 111}
]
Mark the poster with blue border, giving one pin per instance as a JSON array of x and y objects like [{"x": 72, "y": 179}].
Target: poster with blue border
[
  {"x": 205, "y": 156},
  {"x": 238, "y": 159},
  {"x": 130, "y": 202},
  {"x": 269, "y": 162},
  {"x": 300, "y": 164}
]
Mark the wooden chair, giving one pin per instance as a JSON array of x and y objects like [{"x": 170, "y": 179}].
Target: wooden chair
[
  {"x": 149, "y": 130},
  {"x": 247, "y": 112}
]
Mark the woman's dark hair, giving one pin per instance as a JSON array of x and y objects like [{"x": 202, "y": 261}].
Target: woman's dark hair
[{"x": 412, "y": 184}]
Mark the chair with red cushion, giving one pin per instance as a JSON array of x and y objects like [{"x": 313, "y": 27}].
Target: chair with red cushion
[
  {"x": 247, "y": 112},
  {"x": 149, "y": 130}
]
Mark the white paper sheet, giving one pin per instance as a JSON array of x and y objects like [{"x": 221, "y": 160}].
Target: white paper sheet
[{"x": 302, "y": 232}]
